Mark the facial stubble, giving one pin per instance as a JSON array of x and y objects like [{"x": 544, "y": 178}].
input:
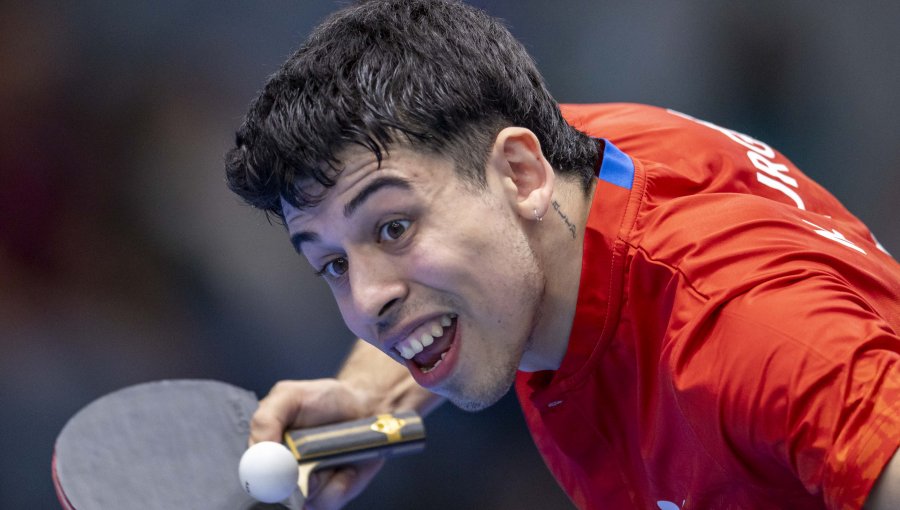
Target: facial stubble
[{"x": 494, "y": 381}]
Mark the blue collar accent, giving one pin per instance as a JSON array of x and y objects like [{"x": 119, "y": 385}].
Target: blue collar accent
[{"x": 616, "y": 167}]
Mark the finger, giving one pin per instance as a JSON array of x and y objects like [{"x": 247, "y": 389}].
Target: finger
[
  {"x": 276, "y": 412},
  {"x": 317, "y": 479},
  {"x": 300, "y": 404},
  {"x": 342, "y": 485}
]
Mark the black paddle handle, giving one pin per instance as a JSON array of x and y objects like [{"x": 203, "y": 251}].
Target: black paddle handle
[{"x": 387, "y": 433}]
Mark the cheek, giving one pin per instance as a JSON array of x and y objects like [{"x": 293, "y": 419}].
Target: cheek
[
  {"x": 446, "y": 261},
  {"x": 433, "y": 267},
  {"x": 490, "y": 261}
]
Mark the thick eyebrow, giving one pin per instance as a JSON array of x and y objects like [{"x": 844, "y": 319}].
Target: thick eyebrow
[
  {"x": 371, "y": 188},
  {"x": 382, "y": 182},
  {"x": 303, "y": 237}
]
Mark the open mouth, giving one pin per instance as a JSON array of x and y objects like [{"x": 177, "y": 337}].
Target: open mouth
[{"x": 427, "y": 346}]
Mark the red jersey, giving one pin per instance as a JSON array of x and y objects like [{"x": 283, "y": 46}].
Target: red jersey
[{"x": 735, "y": 343}]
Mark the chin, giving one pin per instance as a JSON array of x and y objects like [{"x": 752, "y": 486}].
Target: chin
[
  {"x": 481, "y": 398},
  {"x": 472, "y": 406}
]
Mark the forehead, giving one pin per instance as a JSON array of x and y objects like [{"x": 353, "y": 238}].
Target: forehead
[{"x": 359, "y": 172}]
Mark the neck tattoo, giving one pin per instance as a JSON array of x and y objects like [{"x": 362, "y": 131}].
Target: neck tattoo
[{"x": 569, "y": 224}]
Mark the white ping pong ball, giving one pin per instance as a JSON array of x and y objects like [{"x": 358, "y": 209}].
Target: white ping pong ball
[{"x": 268, "y": 472}]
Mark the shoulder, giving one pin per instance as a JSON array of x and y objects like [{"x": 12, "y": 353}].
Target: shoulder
[
  {"x": 722, "y": 240},
  {"x": 801, "y": 372},
  {"x": 618, "y": 121},
  {"x": 646, "y": 131}
]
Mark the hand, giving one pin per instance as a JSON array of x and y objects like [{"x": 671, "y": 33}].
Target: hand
[{"x": 300, "y": 404}]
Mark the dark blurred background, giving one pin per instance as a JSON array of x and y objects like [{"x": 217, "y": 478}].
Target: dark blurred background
[{"x": 124, "y": 259}]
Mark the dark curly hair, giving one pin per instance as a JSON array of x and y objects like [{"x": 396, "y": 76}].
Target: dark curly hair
[{"x": 438, "y": 75}]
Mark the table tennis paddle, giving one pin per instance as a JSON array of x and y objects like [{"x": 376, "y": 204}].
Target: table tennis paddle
[{"x": 177, "y": 444}]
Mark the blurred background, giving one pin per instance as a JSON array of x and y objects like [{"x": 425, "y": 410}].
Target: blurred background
[{"x": 124, "y": 259}]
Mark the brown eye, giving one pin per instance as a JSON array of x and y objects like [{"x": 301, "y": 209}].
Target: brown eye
[
  {"x": 336, "y": 268},
  {"x": 393, "y": 230}
]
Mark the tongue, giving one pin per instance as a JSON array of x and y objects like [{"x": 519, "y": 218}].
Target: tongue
[{"x": 428, "y": 357}]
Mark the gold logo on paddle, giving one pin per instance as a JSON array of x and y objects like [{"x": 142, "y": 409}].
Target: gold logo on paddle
[{"x": 389, "y": 425}]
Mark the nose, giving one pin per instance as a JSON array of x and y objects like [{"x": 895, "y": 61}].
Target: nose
[{"x": 377, "y": 287}]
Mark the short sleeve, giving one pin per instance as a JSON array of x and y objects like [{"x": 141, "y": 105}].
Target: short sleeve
[{"x": 805, "y": 374}]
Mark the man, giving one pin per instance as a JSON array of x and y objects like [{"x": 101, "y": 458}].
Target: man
[{"x": 690, "y": 322}]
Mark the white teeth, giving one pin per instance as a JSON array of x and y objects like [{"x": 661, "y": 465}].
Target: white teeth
[
  {"x": 424, "y": 337},
  {"x": 426, "y": 370},
  {"x": 443, "y": 355},
  {"x": 406, "y": 351}
]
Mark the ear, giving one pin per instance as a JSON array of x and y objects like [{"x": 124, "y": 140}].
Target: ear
[{"x": 526, "y": 175}]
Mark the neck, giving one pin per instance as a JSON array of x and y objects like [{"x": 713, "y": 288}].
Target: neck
[{"x": 559, "y": 243}]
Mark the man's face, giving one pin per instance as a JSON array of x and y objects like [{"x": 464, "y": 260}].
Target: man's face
[{"x": 439, "y": 276}]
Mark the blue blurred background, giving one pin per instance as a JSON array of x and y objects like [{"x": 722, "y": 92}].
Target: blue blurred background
[{"x": 124, "y": 259}]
